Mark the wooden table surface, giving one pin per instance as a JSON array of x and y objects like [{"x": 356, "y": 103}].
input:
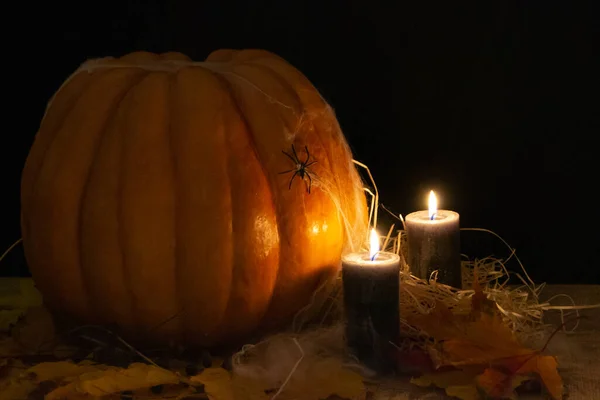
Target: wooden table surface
[{"x": 578, "y": 352}]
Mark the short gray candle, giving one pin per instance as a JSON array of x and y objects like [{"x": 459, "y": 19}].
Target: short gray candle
[
  {"x": 371, "y": 305},
  {"x": 434, "y": 244}
]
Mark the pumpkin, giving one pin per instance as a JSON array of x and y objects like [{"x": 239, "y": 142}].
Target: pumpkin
[{"x": 153, "y": 200}]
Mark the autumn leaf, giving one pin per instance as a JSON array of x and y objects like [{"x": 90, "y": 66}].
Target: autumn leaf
[
  {"x": 439, "y": 323},
  {"x": 16, "y": 389},
  {"x": 544, "y": 366},
  {"x": 414, "y": 361},
  {"x": 48, "y": 371},
  {"x": 547, "y": 369},
  {"x": 459, "y": 383},
  {"x": 463, "y": 392},
  {"x": 114, "y": 380},
  {"x": 482, "y": 341},
  {"x": 498, "y": 384},
  {"x": 217, "y": 383},
  {"x": 19, "y": 294},
  {"x": 16, "y": 296},
  {"x": 479, "y": 301},
  {"x": 8, "y": 318},
  {"x": 14, "y": 384},
  {"x": 323, "y": 379}
]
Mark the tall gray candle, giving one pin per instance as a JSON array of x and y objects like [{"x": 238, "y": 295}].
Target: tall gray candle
[
  {"x": 434, "y": 244},
  {"x": 371, "y": 282}
]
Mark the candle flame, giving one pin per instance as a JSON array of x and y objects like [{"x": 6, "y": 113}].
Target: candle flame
[
  {"x": 433, "y": 205},
  {"x": 374, "y": 245}
]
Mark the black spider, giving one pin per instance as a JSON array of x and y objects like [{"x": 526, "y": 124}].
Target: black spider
[{"x": 301, "y": 168}]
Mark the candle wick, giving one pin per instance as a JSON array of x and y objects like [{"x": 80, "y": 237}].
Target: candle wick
[
  {"x": 374, "y": 255},
  {"x": 433, "y": 216}
]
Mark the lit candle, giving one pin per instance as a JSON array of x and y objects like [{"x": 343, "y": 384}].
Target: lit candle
[
  {"x": 434, "y": 243},
  {"x": 371, "y": 302}
]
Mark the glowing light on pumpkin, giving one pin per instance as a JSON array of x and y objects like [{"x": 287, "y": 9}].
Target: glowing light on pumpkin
[
  {"x": 374, "y": 245},
  {"x": 433, "y": 205}
]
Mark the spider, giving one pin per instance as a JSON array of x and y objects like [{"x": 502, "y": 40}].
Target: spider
[{"x": 301, "y": 168}]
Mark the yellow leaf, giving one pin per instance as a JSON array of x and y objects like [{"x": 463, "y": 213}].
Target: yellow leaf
[
  {"x": 482, "y": 341},
  {"x": 498, "y": 384},
  {"x": 546, "y": 367},
  {"x": 65, "y": 392},
  {"x": 19, "y": 294},
  {"x": 445, "y": 379},
  {"x": 457, "y": 383},
  {"x": 8, "y": 318},
  {"x": 49, "y": 371},
  {"x": 322, "y": 379},
  {"x": 101, "y": 382},
  {"x": 16, "y": 389},
  {"x": 248, "y": 389},
  {"x": 134, "y": 377},
  {"x": 220, "y": 384},
  {"x": 463, "y": 392},
  {"x": 217, "y": 383}
]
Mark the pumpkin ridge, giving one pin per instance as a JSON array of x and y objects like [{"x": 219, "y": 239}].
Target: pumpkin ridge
[
  {"x": 232, "y": 94},
  {"x": 281, "y": 67},
  {"x": 145, "y": 215},
  {"x": 294, "y": 267},
  {"x": 205, "y": 245},
  {"x": 261, "y": 164},
  {"x": 84, "y": 192},
  {"x": 234, "y": 221},
  {"x": 55, "y": 202},
  {"x": 38, "y": 161},
  {"x": 309, "y": 120},
  {"x": 175, "y": 319},
  {"x": 271, "y": 182}
]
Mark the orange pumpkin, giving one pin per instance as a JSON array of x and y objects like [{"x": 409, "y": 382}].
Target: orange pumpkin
[{"x": 153, "y": 192}]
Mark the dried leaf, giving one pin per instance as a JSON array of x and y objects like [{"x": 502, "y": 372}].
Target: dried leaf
[
  {"x": 19, "y": 294},
  {"x": 439, "y": 324},
  {"x": 498, "y": 384},
  {"x": 324, "y": 378},
  {"x": 220, "y": 384},
  {"x": 248, "y": 389},
  {"x": 9, "y": 318},
  {"x": 548, "y": 372},
  {"x": 458, "y": 383},
  {"x": 463, "y": 392},
  {"x": 16, "y": 388},
  {"x": 479, "y": 301},
  {"x": 482, "y": 341},
  {"x": 546, "y": 367},
  {"x": 217, "y": 383},
  {"x": 415, "y": 361},
  {"x": 114, "y": 380},
  {"x": 60, "y": 370},
  {"x": 134, "y": 377}
]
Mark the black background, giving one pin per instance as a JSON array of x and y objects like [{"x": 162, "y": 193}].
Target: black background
[{"x": 491, "y": 104}]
